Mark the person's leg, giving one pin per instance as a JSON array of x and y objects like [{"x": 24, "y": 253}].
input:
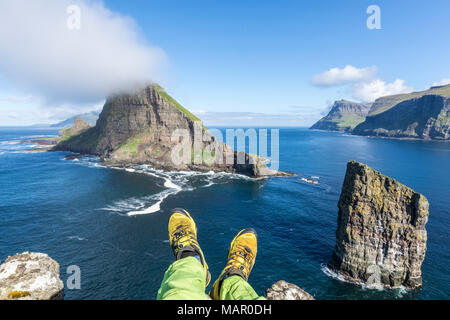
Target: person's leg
[
  {"x": 232, "y": 283},
  {"x": 236, "y": 288},
  {"x": 184, "y": 280},
  {"x": 188, "y": 276}
]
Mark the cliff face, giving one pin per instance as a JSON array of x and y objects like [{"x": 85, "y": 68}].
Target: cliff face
[
  {"x": 138, "y": 128},
  {"x": 383, "y": 104},
  {"x": 343, "y": 116},
  {"x": 381, "y": 236},
  {"x": 30, "y": 276},
  {"x": 426, "y": 117},
  {"x": 419, "y": 115}
]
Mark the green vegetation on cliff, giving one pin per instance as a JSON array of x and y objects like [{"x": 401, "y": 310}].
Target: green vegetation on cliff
[
  {"x": 385, "y": 103},
  {"x": 343, "y": 116},
  {"x": 166, "y": 96},
  {"x": 424, "y": 115}
]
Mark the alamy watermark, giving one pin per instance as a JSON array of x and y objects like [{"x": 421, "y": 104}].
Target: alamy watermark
[
  {"x": 374, "y": 20},
  {"x": 73, "y": 282},
  {"x": 210, "y": 148},
  {"x": 74, "y": 18}
]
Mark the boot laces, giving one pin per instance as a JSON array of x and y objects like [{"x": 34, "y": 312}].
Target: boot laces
[
  {"x": 184, "y": 238},
  {"x": 241, "y": 258}
]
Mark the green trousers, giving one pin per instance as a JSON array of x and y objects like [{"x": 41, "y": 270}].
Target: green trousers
[{"x": 185, "y": 279}]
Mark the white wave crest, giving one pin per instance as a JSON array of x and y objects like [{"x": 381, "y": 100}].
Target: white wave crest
[
  {"x": 174, "y": 182},
  {"x": 10, "y": 142},
  {"x": 400, "y": 291}
]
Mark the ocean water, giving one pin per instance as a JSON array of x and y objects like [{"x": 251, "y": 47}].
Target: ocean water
[{"x": 113, "y": 223}]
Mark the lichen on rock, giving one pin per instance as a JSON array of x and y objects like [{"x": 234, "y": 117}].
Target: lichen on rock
[
  {"x": 381, "y": 236},
  {"x": 30, "y": 276}
]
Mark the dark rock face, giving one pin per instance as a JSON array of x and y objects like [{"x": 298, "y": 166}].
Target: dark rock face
[
  {"x": 343, "y": 116},
  {"x": 426, "y": 117},
  {"x": 381, "y": 237},
  {"x": 30, "y": 276},
  {"x": 138, "y": 128},
  {"x": 283, "y": 290}
]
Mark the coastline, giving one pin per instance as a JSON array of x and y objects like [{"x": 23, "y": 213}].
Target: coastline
[{"x": 349, "y": 134}]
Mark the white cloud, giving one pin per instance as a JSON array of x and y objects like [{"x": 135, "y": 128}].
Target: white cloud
[
  {"x": 348, "y": 74},
  {"x": 370, "y": 91},
  {"x": 441, "y": 82},
  {"x": 41, "y": 55}
]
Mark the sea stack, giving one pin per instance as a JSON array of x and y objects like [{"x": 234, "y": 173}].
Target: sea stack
[
  {"x": 381, "y": 237},
  {"x": 147, "y": 126}
]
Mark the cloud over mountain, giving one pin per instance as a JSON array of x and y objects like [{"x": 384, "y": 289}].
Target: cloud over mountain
[
  {"x": 41, "y": 54},
  {"x": 361, "y": 82},
  {"x": 370, "y": 91},
  {"x": 441, "y": 82}
]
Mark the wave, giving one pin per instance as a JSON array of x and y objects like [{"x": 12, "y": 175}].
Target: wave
[
  {"x": 37, "y": 136},
  {"x": 76, "y": 238},
  {"x": 154, "y": 207},
  {"x": 332, "y": 274},
  {"x": 173, "y": 182},
  {"x": 11, "y": 142}
]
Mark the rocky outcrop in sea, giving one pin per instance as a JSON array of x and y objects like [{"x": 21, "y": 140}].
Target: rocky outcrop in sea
[
  {"x": 381, "y": 237},
  {"x": 283, "y": 290},
  {"x": 79, "y": 126},
  {"x": 30, "y": 276},
  {"x": 138, "y": 128}
]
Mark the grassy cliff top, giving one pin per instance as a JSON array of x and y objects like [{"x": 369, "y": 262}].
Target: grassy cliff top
[
  {"x": 175, "y": 103},
  {"x": 396, "y": 99}
]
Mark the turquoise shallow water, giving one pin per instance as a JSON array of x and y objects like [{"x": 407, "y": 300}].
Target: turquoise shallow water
[{"x": 77, "y": 212}]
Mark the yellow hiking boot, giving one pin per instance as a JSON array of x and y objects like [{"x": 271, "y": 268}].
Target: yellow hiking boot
[
  {"x": 183, "y": 238},
  {"x": 241, "y": 258}
]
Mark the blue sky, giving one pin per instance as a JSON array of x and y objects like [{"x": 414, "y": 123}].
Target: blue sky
[{"x": 259, "y": 57}]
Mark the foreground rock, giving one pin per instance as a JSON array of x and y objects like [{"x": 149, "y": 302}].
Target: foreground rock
[
  {"x": 146, "y": 126},
  {"x": 283, "y": 290},
  {"x": 381, "y": 237},
  {"x": 30, "y": 276}
]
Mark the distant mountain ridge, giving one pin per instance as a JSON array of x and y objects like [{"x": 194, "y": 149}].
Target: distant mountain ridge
[
  {"x": 343, "y": 116},
  {"x": 89, "y": 117},
  {"x": 385, "y": 103},
  {"x": 419, "y": 115}
]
